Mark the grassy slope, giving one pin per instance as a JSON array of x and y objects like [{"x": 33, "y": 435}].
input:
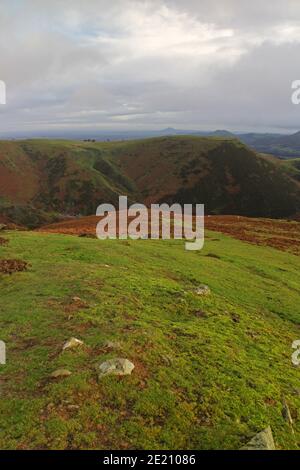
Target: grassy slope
[
  {"x": 45, "y": 178},
  {"x": 209, "y": 381},
  {"x": 293, "y": 167}
]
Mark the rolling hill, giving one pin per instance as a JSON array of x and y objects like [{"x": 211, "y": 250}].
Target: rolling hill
[
  {"x": 284, "y": 146},
  {"x": 42, "y": 180}
]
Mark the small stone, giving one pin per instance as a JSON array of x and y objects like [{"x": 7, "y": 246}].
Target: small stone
[
  {"x": 76, "y": 299},
  {"x": 115, "y": 367},
  {"x": 72, "y": 343},
  {"x": 286, "y": 413},
  {"x": 73, "y": 407},
  {"x": 202, "y": 290},
  {"x": 3, "y": 227},
  {"x": 112, "y": 345},
  {"x": 262, "y": 441},
  {"x": 60, "y": 373}
]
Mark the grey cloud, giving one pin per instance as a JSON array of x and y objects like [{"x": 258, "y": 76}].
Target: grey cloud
[{"x": 149, "y": 64}]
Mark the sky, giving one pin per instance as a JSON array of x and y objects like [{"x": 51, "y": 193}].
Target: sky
[{"x": 89, "y": 65}]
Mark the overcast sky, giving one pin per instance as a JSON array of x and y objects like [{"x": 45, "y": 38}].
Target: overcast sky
[{"x": 127, "y": 64}]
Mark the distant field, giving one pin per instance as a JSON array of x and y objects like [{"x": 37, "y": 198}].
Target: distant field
[{"x": 210, "y": 372}]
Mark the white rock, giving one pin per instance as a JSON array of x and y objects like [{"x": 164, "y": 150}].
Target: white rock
[
  {"x": 202, "y": 290},
  {"x": 115, "y": 367},
  {"x": 72, "y": 343},
  {"x": 60, "y": 373},
  {"x": 262, "y": 441}
]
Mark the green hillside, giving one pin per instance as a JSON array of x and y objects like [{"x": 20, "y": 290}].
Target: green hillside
[
  {"x": 41, "y": 180},
  {"x": 293, "y": 167},
  {"x": 210, "y": 372}
]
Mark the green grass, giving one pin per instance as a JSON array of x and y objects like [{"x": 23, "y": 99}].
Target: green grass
[{"x": 201, "y": 382}]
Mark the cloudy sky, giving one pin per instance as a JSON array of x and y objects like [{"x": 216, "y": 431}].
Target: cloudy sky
[{"x": 131, "y": 64}]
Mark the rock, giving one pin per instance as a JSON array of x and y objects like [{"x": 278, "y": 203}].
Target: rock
[
  {"x": 73, "y": 407},
  {"x": 115, "y": 367},
  {"x": 112, "y": 345},
  {"x": 202, "y": 290},
  {"x": 76, "y": 299},
  {"x": 262, "y": 441},
  {"x": 60, "y": 373},
  {"x": 286, "y": 414},
  {"x": 3, "y": 227},
  {"x": 72, "y": 343}
]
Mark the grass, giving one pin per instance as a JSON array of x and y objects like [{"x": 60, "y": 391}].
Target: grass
[{"x": 210, "y": 371}]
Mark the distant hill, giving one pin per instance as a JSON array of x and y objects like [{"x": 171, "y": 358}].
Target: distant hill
[
  {"x": 285, "y": 146},
  {"x": 41, "y": 180}
]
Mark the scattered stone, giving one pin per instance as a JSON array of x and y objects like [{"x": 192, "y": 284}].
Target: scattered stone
[
  {"x": 76, "y": 299},
  {"x": 73, "y": 407},
  {"x": 3, "y": 241},
  {"x": 3, "y": 227},
  {"x": 202, "y": 290},
  {"x": 262, "y": 441},
  {"x": 10, "y": 266},
  {"x": 60, "y": 373},
  {"x": 115, "y": 367},
  {"x": 72, "y": 343},
  {"x": 112, "y": 345}
]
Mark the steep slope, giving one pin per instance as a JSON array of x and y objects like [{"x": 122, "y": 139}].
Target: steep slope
[
  {"x": 222, "y": 173},
  {"x": 43, "y": 179},
  {"x": 292, "y": 166}
]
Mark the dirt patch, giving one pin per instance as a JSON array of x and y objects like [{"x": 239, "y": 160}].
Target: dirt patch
[
  {"x": 10, "y": 266},
  {"x": 281, "y": 234},
  {"x": 3, "y": 241}
]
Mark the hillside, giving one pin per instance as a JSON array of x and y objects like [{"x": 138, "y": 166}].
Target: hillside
[
  {"x": 41, "y": 180},
  {"x": 284, "y": 146},
  {"x": 200, "y": 378},
  {"x": 293, "y": 167}
]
